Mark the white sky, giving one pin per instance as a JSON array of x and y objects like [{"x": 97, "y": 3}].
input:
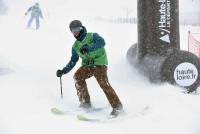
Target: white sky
[
  {"x": 103, "y": 8},
  {"x": 188, "y": 6}
]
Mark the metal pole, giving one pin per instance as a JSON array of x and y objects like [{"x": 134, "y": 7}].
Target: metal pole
[{"x": 61, "y": 88}]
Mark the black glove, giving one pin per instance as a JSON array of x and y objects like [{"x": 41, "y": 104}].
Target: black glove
[
  {"x": 59, "y": 73},
  {"x": 84, "y": 49}
]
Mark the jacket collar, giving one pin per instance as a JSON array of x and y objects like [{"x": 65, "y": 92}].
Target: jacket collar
[{"x": 82, "y": 34}]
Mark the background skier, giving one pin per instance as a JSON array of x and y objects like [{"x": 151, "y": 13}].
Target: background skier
[
  {"x": 90, "y": 48},
  {"x": 36, "y": 14}
]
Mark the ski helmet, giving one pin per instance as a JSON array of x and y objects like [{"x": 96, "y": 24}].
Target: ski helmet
[
  {"x": 37, "y": 4},
  {"x": 75, "y": 24}
]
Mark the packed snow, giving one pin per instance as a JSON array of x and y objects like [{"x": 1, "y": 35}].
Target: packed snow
[{"x": 29, "y": 87}]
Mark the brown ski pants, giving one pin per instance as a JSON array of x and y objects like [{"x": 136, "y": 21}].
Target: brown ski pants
[{"x": 100, "y": 73}]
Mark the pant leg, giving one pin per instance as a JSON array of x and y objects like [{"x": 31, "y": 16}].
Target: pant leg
[
  {"x": 100, "y": 74},
  {"x": 80, "y": 76},
  {"x": 30, "y": 22},
  {"x": 37, "y": 21}
]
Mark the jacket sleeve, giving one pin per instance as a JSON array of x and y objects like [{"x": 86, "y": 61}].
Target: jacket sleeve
[
  {"x": 40, "y": 13},
  {"x": 29, "y": 9},
  {"x": 98, "y": 42},
  {"x": 72, "y": 62}
]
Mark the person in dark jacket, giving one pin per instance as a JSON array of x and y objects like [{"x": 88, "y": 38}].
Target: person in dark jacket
[{"x": 90, "y": 48}]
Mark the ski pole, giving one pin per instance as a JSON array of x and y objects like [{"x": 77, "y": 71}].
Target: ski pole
[{"x": 61, "y": 88}]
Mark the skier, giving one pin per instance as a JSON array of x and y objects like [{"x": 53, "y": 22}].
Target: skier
[
  {"x": 90, "y": 48},
  {"x": 36, "y": 13}
]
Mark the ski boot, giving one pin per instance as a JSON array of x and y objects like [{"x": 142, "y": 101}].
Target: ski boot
[
  {"x": 85, "y": 106},
  {"x": 116, "y": 111}
]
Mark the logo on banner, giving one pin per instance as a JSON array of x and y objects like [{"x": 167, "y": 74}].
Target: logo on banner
[
  {"x": 185, "y": 74},
  {"x": 165, "y": 37},
  {"x": 164, "y": 21}
]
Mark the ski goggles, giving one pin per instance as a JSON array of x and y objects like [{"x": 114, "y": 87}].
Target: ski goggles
[{"x": 76, "y": 29}]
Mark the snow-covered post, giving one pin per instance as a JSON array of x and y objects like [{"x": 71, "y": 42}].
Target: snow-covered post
[{"x": 157, "y": 53}]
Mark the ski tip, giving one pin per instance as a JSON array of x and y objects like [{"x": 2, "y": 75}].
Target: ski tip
[{"x": 55, "y": 110}]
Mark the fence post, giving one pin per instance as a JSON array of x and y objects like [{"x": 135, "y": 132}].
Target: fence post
[{"x": 188, "y": 40}]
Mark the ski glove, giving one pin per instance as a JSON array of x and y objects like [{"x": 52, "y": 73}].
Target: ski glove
[
  {"x": 59, "y": 73},
  {"x": 84, "y": 49}
]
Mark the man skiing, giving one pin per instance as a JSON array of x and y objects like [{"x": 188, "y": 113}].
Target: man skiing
[
  {"x": 90, "y": 48},
  {"x": 36, "y": 14}
]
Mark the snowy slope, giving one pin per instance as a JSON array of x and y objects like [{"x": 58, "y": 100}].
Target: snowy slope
[{"x": 29, "y": 87}]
